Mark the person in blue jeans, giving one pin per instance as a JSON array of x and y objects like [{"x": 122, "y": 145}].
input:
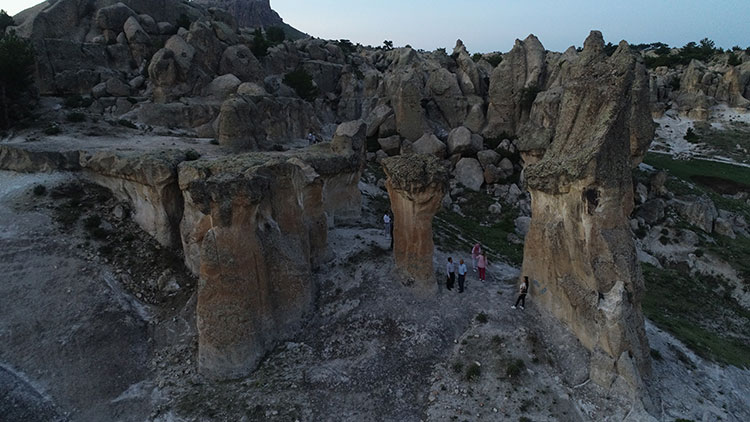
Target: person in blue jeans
[{"x": 461, "y": 275}]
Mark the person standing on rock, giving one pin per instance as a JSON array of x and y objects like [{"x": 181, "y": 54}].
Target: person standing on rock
[
  {"x": 450, "y": 270},
  {"x": 482, "y": 265},
  {"x": 310, "y": 138},
  {"x": 387, "y": 222},
  {"x": 522, "y": 290},
  {"x": 475, "y": 251},
  {"x": 461, "y": 275}
]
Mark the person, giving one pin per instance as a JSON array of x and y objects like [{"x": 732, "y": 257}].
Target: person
[
  {"x": 461, "y": 275},
  {"x": 391, "y": 233},
  {"x": 387, "y": 222},
  {"x": 475, "y": 251},
  {"x": 450, "y": 269},
  {"x": 523, "y": 289},
  {"x": 310, "y": 138},
  {"x": 482, "y": 265}
]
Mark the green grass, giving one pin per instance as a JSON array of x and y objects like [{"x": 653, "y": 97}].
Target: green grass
[
  {"x": 685, "y": 169},
  {"x": 478, "y": 225},
  {"x": 726, "y": 141},
  {"x": 699, "y": 313}
]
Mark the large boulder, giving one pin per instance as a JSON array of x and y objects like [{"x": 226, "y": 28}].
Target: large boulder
[
  {"x": 461, "y": 141},
  {"x": 699, "y": 211},
  {"x": 579, "y": 252},
  {"x": 469, "y": 173},
  {"x": 416, "y": 186},
  {"x": 240, "y": 61},
  {"x": 222, "y": 87},
  {"x": 113, "y": 17},
  {"x": 429, "y": 144}
]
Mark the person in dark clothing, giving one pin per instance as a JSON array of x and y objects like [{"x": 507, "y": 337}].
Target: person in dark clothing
[
  {"x": 461, "y": 275},
  {"x": 451, "y": 274},
  {"x": 522, "y": 290},
  {"x": 392, "y": 223}
]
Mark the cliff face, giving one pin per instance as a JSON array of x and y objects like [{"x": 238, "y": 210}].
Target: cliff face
[
  {"x": 248, "y": 13},
  {"x": 579, "y": 250}
]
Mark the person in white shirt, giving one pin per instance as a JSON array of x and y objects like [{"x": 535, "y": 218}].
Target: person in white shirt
[
  {"x": 461, "y": 275},
  {"x": 387, "y": 222},
  {"x": 450, "y": 270}
]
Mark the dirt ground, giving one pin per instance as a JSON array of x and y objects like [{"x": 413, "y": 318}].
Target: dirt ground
[{"x": 80, "y": 344}]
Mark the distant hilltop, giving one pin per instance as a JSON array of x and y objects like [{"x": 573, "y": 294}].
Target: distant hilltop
[{"x": 252, "y": 14}]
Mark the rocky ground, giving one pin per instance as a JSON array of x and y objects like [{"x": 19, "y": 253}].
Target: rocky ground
[{"x": 84, "y": 346}]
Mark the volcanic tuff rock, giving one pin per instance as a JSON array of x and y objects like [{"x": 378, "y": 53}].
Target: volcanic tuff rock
[
  {"x": 416, "y": 185},
  {"x": 579, "y": 252}
]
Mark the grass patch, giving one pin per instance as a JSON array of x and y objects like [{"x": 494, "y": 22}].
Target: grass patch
[
  {"x": 686, "y": 169},
  {"x": 514, "y": 368},
  {"x": 458, "y": 232},
  {"x": 473, "y": 371},
  {"x": 40, "y": 190},
  {"x": 698, "y": 313},
  {"x": 482, "y": 317}
]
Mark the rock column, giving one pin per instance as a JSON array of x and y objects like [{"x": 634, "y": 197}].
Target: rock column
[
  {"x": 579, "y": 250},
  {"x": 416, "y": 186}
]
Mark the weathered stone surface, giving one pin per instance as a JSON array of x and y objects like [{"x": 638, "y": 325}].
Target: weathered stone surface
[
  {"x": 222, "y": 87},
  {"x": 113, "y": 17},
  {"x": 652, "y": 211},
  {"x": 416, "y": 186},
  {"x": 460, "y": 141},
  {"x": 488, "y": 157},
  {"x": 429, "y": 144},
  {"x": 469, "y": 173},
  {"x": 579, "y": 252},
  {"x": 240, "y": 61},
  {"x": 699, "y": 211},
  {"x": 391, "y": 145}
]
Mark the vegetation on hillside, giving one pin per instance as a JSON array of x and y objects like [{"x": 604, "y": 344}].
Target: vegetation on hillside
[{"x": 661, "y": 55}]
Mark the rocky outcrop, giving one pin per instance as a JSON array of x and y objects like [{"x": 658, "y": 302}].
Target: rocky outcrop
[
  {"x": 579, "y": 251},
  {"x": 416, "y": 186},
  {"x": 248, "y": 13}
]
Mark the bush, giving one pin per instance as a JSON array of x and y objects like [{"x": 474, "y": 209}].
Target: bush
[
  {"x": 690, "y": 135},
  {"x": 16, "y": 71},
  {"x": 275, "y": 34},
  {"x": 473, "y": 372},
  {"x": 52, "y": 129},
  {"x": 476, "y": 57},
  {"x": 40, "y": 190},
  {"x": 301, "y": 82},
  {"x": 675, "y": 84},
  {"x": 75, "y": 117},
  {"x": 514, "y": 368},
  {"x": 192, "y": 155},
  {"x": 183, "y": 21},
  {"x": 457, "y": 367},
  {"x": 387, "y": 45},
  {"x": 77, "y": 101},
  {"x": 733, "y": 60},
  {"x": 127, "y": 123},
  {"x": 346, "y": 46},
  {"x": 482, "y": 317},
  {"x": 495, "y": 59},
  {"x": 528, "y": 95},
  {"x": 655, "y": 354}
]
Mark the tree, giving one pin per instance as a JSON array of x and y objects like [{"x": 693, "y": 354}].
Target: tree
[
  {"x": 5, "y": 21},
  {"x": 16, "y": 70},
  {"x": 388, "y": 45},
  {"x": 275, "y": 34}
]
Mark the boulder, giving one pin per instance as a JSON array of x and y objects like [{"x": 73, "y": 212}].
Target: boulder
[
  {"x": 488, "y": 156},
  {"x": 429, "y": 144},
  {"x": 416, "y": 186},
  {"x": 251, "y": 89},
  {"x": 469, "y": 173},
  {"x": 240, "y": 61},
  {"x": 724, "y": 228},
  {"x": 492, "y": 174},
  {"x": 391, "y": 145},
  {"x": 506, "y": 167},
  {"x": 579, "y": 253},
  {"x": 699, "y": 211},
  {"x": 460, "y": 141},
  {"x": 376, "y": 117},
  {"x": 113, "y": 17},
  {"x": 222, "y": 87},
  {"x": 448, "y": 96},
  {"x": 165, "y": 28},
  {"x": 117, "y": 88},
  {"x": 521, "y": 225},
  {"x": 652, "y": 211}
]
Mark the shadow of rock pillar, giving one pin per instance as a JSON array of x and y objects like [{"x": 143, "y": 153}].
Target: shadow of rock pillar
[{"x": 416, "y": 186}]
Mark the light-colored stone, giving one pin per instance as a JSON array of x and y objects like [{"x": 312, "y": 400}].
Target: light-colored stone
[{"x": 469, "y": 173}]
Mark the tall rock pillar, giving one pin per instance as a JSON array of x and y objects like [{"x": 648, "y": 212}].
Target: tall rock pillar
[
  {"x": 579, "y": 250},
  {"x": 416, "y": 186}
]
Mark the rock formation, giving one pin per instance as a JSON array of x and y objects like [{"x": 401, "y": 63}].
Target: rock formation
[
  {"x": 579, "y": 251},
  {"x": 416, "y": 186}
]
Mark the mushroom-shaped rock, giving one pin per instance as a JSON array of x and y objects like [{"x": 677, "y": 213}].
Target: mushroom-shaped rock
[
  {"x": 579, "y": 251},
  {"x": 416, "y": 185}
]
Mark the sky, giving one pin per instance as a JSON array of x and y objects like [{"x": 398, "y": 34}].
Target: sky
[{"x": 493, "y": 25}]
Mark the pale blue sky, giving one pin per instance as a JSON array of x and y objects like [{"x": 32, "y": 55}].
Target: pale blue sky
[{"x": 489, "y": 25}]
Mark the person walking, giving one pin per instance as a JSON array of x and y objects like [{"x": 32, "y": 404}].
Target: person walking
[
  {"x": 461, "y": 275},
  {"x": 522, "y": 290},
  {"x": 450, "y": 270},
  {"x": 482, "y": 265},
  {"x": 475, "y": 251},
  {"x": 387, "y": 222}
]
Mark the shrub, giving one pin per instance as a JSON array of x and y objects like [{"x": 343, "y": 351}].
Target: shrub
[
  {"x": 457, "y": 367},
  {"x": 127, "y": 123},
  {"x": 16, "y": 63},
  {"x": 192, "y": 155},
  {"x": 655, "y": 354},
  {"x": 214, "y": 142},
  {"x": 301, "y": 82},
  {"x": 495, "y": 59},
  {"x": 77, "y": 101},
  {"x": 76, "y": 117},
  {"x": 528, "y": 95},
  {"x": 733, "y": 60},
  {"x": 183, "y": 21},
  {"x": 346, "y": 46},
  {"x": 476, "y": 57},
  {"x": 514, "y": 368},
  {"x": 52, "y": 129},
  {"x": 690, "y": 135},
  {"x": 675, "y": 84},
  {"x": 664, "y": 240},
  {"x": 482, "y": 317},
  {"x": 40, "y": 190},
  {"x": 387, "y": 45},
  {"x": 260, "y": 44},
  {"x": 91, "y": 222},
  {"x": 275, "y": 34},
  {"x": 473, "y": 372}
]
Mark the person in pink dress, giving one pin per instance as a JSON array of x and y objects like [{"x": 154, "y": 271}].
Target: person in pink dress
[
  {"x": 482, "y": 265},
  {"x": 475, "y": 251}
]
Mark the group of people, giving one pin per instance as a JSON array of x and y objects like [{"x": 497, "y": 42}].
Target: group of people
[{"x": 480, "y": 262}]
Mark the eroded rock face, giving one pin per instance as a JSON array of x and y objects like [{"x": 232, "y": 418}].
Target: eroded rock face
[
  {"x": 579, "y": 250},
  {"x": 416, "y": 185}
]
